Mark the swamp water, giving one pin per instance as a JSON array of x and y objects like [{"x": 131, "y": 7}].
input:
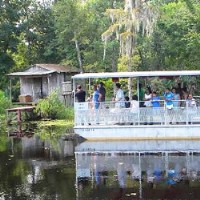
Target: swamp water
[{"x": 46, "y": 164}]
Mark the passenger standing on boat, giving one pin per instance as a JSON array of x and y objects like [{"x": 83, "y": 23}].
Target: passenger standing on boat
[
  {"x": 155, "y": 100},
  {"x": 95, "y": 97},
  {"x": 127, "y": 102},
  {"x": 191, "y": 101},
  {"x": 80, "y": 94},
  {"x": 191, "y": 107},
  {"x": 168, "y": 97},
  {"x": 134, "y": 118},
  {"x": 119, "y": 98},
  {"x": 102, "y": 94},
  {"x": 147, "y": 97},
  {"x": 141, "y": 95},
  {"x": 148, "y": 105},
  {"x": 183, "y": 94},
  {"x": 134, "y": 104},
  {"x": 176, "y": 102}
]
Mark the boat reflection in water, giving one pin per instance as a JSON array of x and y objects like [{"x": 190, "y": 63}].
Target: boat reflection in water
[{"x": 138, "y": 170}]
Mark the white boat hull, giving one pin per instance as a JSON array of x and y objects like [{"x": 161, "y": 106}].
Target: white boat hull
[
  {"x": 142, "y": 132},
  {"x": 141, "y": 146}
]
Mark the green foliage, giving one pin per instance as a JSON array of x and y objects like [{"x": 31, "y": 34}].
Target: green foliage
[
  {"x": 175, "y": 40},
  {"x": 34, "y": 32},
  {"x": 125, "y": 61},
  {"x": 53, "y": 129},
  {"x": 53, "y": 108},
  {"x": 4, "y": 103},
  {"x": 84, "y": 22},
  {"x": 51, "y": 132}
]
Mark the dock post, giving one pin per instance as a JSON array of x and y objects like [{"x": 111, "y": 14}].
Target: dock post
[{"x": 19, "y": 116}]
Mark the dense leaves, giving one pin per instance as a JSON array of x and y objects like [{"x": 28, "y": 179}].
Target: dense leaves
[
  {"x": 53, "y": 108},
  {"x": 70, "y": 32},
  {"x": 175, "y": 40},
  {"x": 4, "y": 103}
]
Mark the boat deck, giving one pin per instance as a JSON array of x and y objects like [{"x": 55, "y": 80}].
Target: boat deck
[
  {"x": 110, "y": 123},
  {"x": 109, "y": 115}
]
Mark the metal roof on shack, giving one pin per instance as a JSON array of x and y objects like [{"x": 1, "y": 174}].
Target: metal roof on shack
[
  {"x": 58, "y": 67},
  {"x": 37, "y": 73},
  {"x": 47, "y": 69}
]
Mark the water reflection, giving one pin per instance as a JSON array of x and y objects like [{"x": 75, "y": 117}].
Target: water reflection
[
  {"x": 138, "y": 170},
  {"x": 21, "y": 129},
  {"x": 36, "y": 163},
  {"x": 40, "y": 164}
]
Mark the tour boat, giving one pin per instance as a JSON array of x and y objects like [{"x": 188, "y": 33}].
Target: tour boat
[{"x": 109, "y": 122}]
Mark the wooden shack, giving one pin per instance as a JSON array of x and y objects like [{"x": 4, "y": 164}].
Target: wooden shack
[{"x": 40, "y": 80}]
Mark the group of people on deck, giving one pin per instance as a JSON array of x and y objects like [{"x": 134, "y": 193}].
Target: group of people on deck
[
  {"x": 98, "y": 96},
  {"x": 171, "y": 97},
  {"x": 146, "y": 98}
]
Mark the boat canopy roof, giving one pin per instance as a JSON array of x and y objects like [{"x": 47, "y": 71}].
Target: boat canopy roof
[{"x": 136, "y": 74}]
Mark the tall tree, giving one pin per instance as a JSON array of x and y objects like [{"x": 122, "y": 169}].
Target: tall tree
[
  {"x": 175, "y": 40},
  {"x": 26, "y": 31},
  {"x": 79, "y": 28},
  {"x": 71, "y": 23},
  {"x": 9, "y": 32},
  {"x": 137, "y": 16}
]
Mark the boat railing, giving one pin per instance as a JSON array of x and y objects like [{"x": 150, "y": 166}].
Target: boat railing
[{"x": 107, "y": 113}]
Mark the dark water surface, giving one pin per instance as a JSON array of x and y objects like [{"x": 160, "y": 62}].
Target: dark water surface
[{"x": 38, "y": 164}]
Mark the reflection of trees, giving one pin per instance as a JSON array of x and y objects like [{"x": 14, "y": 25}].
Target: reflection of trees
[
  {"x": 54, "y": 182},
  {"x": 51, "y": 135},
  {"x": 21, "y": 129},
  {"x": 13, "y": 174},
  {"x": 3, "y": 139},
  {"x": 27, "y": 174}
]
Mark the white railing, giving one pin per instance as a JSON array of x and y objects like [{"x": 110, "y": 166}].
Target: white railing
[{"x": 108, "y": 114}]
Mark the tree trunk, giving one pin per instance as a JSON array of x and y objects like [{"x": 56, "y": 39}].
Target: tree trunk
[
  {"x": 130, "y": 54},
  {"x": 79, "y": 55}
]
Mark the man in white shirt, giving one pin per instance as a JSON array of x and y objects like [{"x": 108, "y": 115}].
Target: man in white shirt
[{"x": 119, "y": 98}]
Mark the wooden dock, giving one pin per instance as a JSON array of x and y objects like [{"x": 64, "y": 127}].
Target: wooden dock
[{"x": 19, "y": 110}]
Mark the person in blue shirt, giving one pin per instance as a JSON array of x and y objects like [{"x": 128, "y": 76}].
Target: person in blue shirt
[
  {"x": 168, "y": 97},
  {"x": 95, "y": 97},
  {"x": 155, "y": 100}
]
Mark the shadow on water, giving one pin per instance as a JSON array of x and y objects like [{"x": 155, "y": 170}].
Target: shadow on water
[{"x": 53, "y": 163}]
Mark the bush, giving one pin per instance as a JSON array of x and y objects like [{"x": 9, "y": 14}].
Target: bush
[
  {"x": 53, "y": 108},
  {"x": 4, "y": 103}
]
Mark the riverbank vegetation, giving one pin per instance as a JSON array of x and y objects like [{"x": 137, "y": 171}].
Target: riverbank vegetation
[
  {"x": 53, "y": 108},
  {"x": 4, "y": 104},
  {"x": 50, "y": 111}
]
